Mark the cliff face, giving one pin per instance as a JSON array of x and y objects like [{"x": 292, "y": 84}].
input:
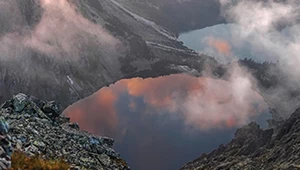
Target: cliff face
[
  {"x": 254, "y": 148},
  {"x": 37, "y": 128}
]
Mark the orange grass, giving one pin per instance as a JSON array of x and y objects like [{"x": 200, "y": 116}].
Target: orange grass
[{"x": 24, "y": 162}]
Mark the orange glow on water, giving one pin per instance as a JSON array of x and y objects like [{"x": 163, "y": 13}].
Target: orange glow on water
[
  {"x": 222, "y": 46},
  {"x": 205, "y": 103}
]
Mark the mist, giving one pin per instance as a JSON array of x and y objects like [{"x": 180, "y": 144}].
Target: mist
[
  {"x": 261, "y": 24},
  {"x": 272, "y": 30},
  {"x": 56, "y": 29}
]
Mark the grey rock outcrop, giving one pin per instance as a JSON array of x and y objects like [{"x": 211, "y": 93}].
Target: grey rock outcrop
[{"x": 37, "y": 128}]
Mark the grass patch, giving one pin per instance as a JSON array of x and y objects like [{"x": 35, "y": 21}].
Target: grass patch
[{"x": 21, "y": 161}]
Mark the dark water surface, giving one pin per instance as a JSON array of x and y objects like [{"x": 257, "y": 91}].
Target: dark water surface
[{"x": 162, "y": 123}]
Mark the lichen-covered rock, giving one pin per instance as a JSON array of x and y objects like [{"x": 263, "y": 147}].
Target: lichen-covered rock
[
  {"x": 19, "y": 102},
  {"x": 38, "y": 128}
]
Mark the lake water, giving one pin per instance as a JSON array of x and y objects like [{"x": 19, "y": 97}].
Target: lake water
[
  {"x": 162, "y": 123},
  {"x": 227, "y": 42}
]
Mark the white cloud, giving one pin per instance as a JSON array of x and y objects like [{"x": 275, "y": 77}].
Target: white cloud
[{"x": 272, "y": 29}]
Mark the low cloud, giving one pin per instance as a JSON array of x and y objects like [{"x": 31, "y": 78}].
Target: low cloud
[
  {"x": 271, "y": 29},
  {"x": 261, "y": 16},
  {"x": 259, "y": 21},
  {"x": 61, "y": 31}
]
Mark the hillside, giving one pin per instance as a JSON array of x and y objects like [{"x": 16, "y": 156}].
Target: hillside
[
  {"x": 76, "y": 57},
  {"x": 255, "y": 148}
]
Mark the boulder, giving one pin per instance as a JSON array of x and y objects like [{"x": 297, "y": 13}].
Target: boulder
[
  {"x": 19, "y": 102},
  {"x": 52, "y": 109}
]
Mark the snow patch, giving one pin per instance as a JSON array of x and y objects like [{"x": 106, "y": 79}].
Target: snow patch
[
  {"x": 185, "y": 69},
  {"x": 169, "y": 48},
  {"x": 70, "y": 81}
]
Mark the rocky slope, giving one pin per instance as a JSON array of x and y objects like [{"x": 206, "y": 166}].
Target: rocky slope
[
  {"x": 255, "y": 148},
  {"x": 37, "y": 128},
  {"x": 5, "y": 146},
  {"x": 35, "y": 54},
  {"x": 177, "y": 15}
]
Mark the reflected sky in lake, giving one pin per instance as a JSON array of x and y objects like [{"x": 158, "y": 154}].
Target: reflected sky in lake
[
  {"x": 162, "y": 123},
  {"x": 227, "y": 42}
]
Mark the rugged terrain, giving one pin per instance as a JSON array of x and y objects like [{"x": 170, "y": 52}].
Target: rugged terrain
[
  {"x": 255, "y": 148},
  {"x": 36, "y": 127},
  {"x": 142, "y": 48},
  {"x": 146, "y": 46}
]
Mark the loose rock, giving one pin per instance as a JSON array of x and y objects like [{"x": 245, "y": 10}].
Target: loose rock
[{"x": 37, "y": 127}]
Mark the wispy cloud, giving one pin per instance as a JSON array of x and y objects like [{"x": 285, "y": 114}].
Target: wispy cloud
[
  {"x": 61, "y": 31},
  {"x": 271, "y": 29}
]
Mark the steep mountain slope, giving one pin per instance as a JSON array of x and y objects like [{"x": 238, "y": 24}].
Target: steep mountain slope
[
  {"x": 177, "y": 15},
  {"x": 76, "y": 47},
  {"x": 254, "y": 148}
]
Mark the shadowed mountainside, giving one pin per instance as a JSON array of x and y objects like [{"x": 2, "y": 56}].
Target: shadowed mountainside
[
  {"x": 254, "y": 148},
  {"x": 38, "y": 50}
]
